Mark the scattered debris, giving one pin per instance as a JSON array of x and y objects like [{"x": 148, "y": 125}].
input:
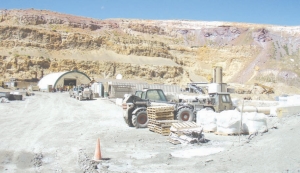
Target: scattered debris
[
  {"x": 209, "y": 160},
  {"x": 4, "y": 100},
  {"x": 86, "y": 164},
  {"x": 37, "y": 160},
  {"x": 186, "y": 132}
]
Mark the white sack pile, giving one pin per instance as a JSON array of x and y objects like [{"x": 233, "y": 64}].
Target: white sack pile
[
  {"x": 254, "y": 122},
  {"x": 207, "y": 120},
  {"x": 228, "y": 122}
]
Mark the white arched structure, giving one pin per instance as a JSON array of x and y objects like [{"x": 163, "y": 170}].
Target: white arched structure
[{"x": 62, "y": 79}]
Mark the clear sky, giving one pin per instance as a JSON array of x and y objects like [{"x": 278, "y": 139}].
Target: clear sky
[{"x": 276, "y": 12}]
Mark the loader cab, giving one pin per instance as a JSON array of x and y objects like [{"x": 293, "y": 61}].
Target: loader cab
[
  {"x": 221, "y": 101},
  {"x": 138, "y": 93},
  {"x": 155, "y": 95}
]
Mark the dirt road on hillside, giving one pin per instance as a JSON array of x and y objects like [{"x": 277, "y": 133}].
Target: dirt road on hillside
[{"x": 51, "y": 132}]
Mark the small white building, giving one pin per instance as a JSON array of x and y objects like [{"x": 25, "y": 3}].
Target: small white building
[{"x": 63, "y": 80}]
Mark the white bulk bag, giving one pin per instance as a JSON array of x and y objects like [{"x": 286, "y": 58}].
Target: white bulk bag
[
  {"x": 254, "y": 122},
  {"x": 207, "y": 120},
  {"x": 228, "y": 122}
]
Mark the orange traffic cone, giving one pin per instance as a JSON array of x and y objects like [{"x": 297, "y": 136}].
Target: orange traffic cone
[{"x": 97, "y": 151}]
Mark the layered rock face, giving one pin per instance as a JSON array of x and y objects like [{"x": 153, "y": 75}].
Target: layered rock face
[{"x": 34, "y": 43}]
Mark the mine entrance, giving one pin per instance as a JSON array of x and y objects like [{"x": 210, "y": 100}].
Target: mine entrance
[{"x": 69, "y": 82}]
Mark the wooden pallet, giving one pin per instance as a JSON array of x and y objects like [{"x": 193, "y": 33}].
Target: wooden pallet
[
  {"x": 157, "y": 109},
  {"x": 166, "y": 113},
  {"x": 162, "y": 122},
  {"x": 160, "y": 116},
  {"x": 160, "y": 128},
  {"x": 151, "y": 127},
  {"x": 184, "y": 125},
  {"x": 160, "y": 113},
  {"x": 163, "y": 130},
  {"x": 160, "y": 119}
]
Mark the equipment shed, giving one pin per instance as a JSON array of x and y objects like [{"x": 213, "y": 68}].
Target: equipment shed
[{"x": 63, "y": 80}]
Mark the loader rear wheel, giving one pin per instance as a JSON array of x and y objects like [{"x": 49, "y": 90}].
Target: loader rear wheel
[
  {"x": 140, "y": 120},
  {"x": 185, "y": 114}
]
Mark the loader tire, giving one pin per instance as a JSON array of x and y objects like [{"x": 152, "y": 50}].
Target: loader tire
[
  {"x": 129, "y": 121},
  {"x": 185, "y": 114},
  {"x": 140, "y": 119}
]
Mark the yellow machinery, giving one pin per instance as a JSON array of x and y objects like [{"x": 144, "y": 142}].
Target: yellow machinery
[{"x": 267, "y": 90}]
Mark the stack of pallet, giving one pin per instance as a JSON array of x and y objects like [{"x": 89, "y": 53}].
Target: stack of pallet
[{"x": 160, "y": 119}]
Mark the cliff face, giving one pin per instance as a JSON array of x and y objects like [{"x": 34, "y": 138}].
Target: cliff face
[{"x": 36, "y": 42}]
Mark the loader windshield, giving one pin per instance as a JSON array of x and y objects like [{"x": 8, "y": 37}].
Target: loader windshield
[
  {"x": 139, "y": 93},
  {"x": 156, "y": 95}
]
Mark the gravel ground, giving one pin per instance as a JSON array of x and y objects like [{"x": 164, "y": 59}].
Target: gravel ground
[{"x": 51, "y": 132}]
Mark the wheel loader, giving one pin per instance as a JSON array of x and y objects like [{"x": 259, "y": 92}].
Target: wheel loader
[{"x": 135, "y": 106}]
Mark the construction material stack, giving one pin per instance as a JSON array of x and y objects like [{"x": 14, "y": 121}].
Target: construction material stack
[{"x": 160, "y": 119}]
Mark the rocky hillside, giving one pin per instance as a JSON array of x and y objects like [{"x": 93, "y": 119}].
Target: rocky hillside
[{"x": 34, "y": 43}]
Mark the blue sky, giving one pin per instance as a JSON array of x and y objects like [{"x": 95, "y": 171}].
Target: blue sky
[{"x": 276, "y": 12}]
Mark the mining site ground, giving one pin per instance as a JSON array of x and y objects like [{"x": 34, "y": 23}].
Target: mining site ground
[{"x": 51, "y": 132}]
